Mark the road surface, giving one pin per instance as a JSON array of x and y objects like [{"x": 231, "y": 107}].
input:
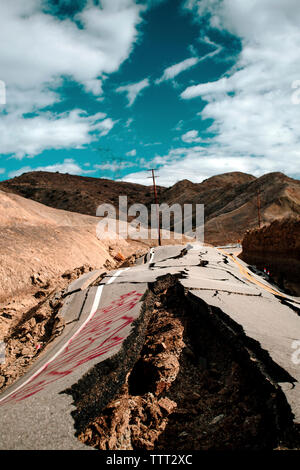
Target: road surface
[{"x": 35, "y": 412}]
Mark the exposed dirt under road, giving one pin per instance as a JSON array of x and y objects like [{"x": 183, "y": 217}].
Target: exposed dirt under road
[{"x": 191, "y": 386}]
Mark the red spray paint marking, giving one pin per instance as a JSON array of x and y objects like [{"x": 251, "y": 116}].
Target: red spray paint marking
[{"x": 98, "y": 337}]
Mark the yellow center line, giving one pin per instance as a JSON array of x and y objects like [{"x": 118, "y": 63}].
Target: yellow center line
[{"x": 246, "y": 273}]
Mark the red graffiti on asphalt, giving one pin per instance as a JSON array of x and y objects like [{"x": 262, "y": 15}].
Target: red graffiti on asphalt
[{"x": 98, "y": 337}]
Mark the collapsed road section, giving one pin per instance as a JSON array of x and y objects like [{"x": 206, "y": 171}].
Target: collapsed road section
[
  {"x": 194, "y": 386},
  {"x": 183, "y": 351}
]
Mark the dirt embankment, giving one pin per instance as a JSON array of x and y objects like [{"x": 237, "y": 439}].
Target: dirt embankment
[{"x": 276, "y": 247}]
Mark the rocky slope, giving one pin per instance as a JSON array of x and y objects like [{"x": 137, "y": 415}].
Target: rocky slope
[
  {"x": 230, "y": 202},
  {"x": 279, "y": 198},
  {"x": 276, "y": 247}
]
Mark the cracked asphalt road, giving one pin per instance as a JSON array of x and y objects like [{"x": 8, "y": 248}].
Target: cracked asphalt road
[{"x": 36, "y": 414}]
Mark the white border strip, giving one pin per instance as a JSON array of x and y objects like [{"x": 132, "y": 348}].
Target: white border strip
[{"x": 117, "y": 273}]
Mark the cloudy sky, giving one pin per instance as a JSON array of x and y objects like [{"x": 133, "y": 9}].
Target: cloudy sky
[{"x": 111, "y": 88}]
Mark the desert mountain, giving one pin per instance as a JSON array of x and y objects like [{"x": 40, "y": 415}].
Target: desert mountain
[
  {"x": 236, "y": 211},
  {"x": 75, "y": 193},
  {"x": 185, "y": 192},
  {"x": 231, "y": 202},
  {"x": 230, "y": 199}
]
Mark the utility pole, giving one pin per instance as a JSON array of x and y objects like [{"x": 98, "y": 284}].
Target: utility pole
[
  {"x": 258, "y": 208},
  {"x": 156, "y": 202}
]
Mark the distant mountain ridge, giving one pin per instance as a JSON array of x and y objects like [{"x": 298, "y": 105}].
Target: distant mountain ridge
[
  {"x": 230, "y": 199},
  {"x": 74, "y": 193}
]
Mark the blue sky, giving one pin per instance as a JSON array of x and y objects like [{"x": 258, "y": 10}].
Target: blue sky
[{"x": 112, "y": 88}]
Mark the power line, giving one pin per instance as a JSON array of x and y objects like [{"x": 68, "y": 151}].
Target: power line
[{"x": 113, "y": 163}]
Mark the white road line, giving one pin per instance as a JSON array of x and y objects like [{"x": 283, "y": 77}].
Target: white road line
[
  {"x": 92, "y": 312},
  {"x": 115, "y": 275}
]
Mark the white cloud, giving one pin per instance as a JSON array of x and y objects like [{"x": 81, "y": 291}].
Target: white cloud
[
  {"x": 133, "y": 90},
  {"x": 113, "y": 166},
  {"x": 94, "y": 86},
  {"x": 255, "y": 123},
  {"x": 68, "y": 166},
  {"x": 129, "y": 122},
  {"x": 191, "y": 137},
  {"x": 150, "y": 144},
  {"x": 132, "y": 153},
  {"x": 140, "y": 177},
  {"x": 171, "y": 72},
  {"x": 42, "y": 47},
  {"x": 198, "y": 163},
  {"x": 2, "y": 92},
  {"x": 174, "y": 70},
  {"x": 204, "y": 89},
  {"x": 179, "y": 125},
  {"x": 29, "y": 137},
  {"x": 103, "y": 127},
  {"x": 202, "y": 7},
  {"x": 39, "y": 50}
]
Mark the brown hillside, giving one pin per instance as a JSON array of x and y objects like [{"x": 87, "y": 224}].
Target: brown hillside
[
  {"x": 276, "y": 247},
  {"x": 237, "y": 211},
  {"x": 80, "y": 194},
  {"x": 230, "y": 202},
  {"x": 230, "y": 199}
]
